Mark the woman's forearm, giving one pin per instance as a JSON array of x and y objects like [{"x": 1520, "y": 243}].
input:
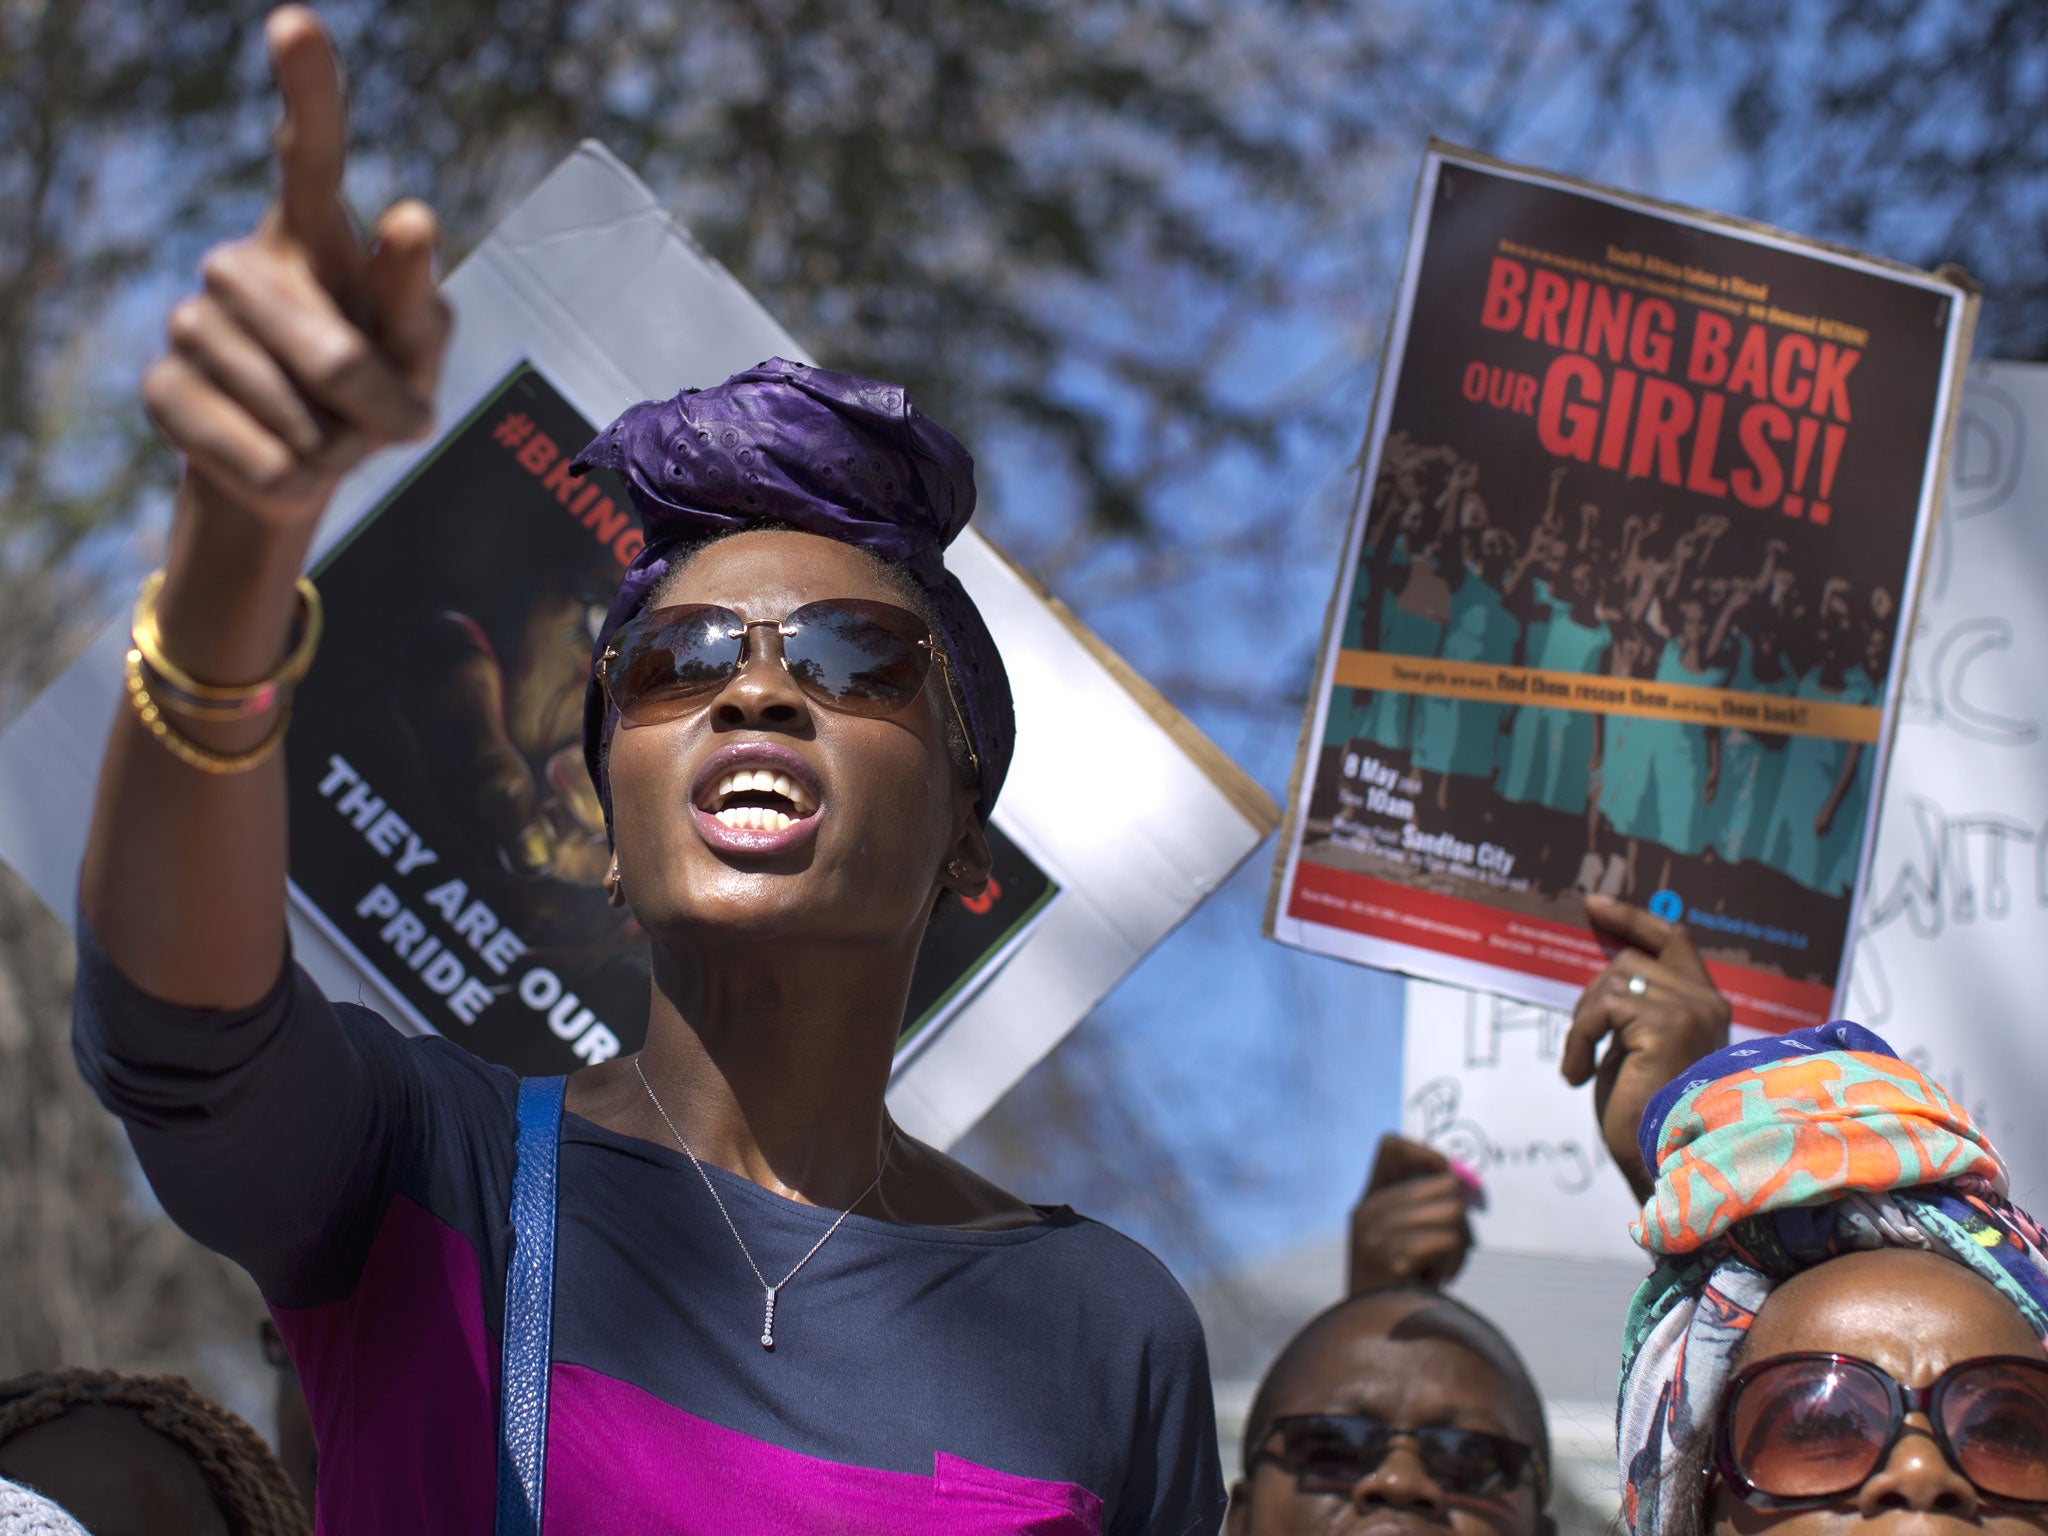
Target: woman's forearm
[{"x": 184, "y": 870}]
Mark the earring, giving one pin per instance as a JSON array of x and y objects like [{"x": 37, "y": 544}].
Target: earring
[
  {"x": 957, "y": 869},
  {"x": 614, "y": 885}
]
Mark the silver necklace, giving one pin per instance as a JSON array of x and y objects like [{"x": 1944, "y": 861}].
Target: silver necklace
[{"x": 769, "y": 1292}]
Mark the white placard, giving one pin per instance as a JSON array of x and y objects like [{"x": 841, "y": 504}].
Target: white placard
[
  {"x": 1479, "y": 1083},
  {"x": 592, "y": 279},
  {"x": 1948, "y": 966}
]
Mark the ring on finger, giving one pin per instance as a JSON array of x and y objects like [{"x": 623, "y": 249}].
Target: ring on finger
[{"x": 1638, "y": 985}]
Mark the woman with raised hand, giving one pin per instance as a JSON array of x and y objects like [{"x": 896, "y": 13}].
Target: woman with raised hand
[{"x": 746, "y": 1303}]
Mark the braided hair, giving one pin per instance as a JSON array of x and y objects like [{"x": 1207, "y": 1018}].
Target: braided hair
[{"x": 248, "y": 1483}]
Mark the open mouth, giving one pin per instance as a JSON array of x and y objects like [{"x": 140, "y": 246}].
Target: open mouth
[{"x": 757, "y": 800}]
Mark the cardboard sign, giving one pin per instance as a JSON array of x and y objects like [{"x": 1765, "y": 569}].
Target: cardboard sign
[
  {"x": 609, "y": 301},
  {"x": 1642, "y": 505}
]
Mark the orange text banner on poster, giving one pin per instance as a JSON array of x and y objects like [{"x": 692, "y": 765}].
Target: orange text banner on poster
[
  {"x": 1469, "y": 930},
  {"x": 1594, "y": 694}
]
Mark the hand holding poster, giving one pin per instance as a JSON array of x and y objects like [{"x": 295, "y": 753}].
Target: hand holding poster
[{"x": 1642, "y": 507}]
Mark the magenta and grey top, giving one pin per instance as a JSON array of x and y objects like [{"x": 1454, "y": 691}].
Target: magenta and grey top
[{"x": 1048, "y": 1379}]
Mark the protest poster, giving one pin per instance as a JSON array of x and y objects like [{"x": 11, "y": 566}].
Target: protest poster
[
  {"x": 1641, "y": 508},
  {"x": 588, "y": 297}
]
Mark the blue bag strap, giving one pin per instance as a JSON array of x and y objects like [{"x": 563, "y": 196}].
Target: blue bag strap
[{"x": 529, "y": 1310}]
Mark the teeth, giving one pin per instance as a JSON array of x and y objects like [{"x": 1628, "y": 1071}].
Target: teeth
[
  {"x": 751, "y": 818},
  {"x": 759, "y": 781}
]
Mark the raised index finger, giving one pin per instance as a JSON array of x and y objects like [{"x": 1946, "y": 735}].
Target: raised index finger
[{"x": 312, "y": 141}]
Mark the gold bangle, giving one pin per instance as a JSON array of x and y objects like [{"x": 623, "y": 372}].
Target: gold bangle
[
  {"x": 188, "y": 751},
  {"x": 184, "y": 694}
]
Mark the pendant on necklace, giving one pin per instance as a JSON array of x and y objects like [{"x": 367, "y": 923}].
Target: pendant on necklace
[{"x": 768, "y": 1322}]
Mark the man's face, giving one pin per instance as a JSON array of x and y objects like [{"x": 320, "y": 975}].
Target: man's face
[{"x": 1362, "y": 1361}]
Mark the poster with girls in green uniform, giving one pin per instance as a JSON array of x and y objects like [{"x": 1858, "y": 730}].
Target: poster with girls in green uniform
[{"x": 1625, "y": 593}]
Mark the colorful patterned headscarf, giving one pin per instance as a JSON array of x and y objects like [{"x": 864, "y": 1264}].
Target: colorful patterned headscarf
[{"x": 1772, "y": 1157}]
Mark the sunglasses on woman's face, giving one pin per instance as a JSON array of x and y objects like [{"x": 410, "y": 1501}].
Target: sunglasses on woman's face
[
  {"x": 1330, "y": 1452},
  {"x": 848, "y": 654},
  {"x": 1804, "y": 1430}
]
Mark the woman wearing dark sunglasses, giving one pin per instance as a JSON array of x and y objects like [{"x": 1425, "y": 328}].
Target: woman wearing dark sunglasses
[
  {"x": 1846, "y": 1321},
  {"x": 1886, "y": 1381},
  {"x": 770, "y": 1311}
]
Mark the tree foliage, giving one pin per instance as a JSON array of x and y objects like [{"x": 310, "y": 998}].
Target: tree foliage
[
  {"x": 1043, "y": 218},
  {"x": 1918, "y": 131},
  {"x": 94, "y": 98}
]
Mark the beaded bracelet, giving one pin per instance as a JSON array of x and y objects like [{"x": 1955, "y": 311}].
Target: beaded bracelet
[
  {"x": 188, "y": 751},
  {"x": 178, "y": 692}
]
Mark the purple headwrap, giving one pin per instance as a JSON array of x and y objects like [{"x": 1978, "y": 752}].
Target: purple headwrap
[{"x": 826, "y": 453}]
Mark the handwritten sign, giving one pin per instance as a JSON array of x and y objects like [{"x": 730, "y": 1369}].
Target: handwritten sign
[
  {"x": 1479, "y": 1083},
  {"x": 1947, "y": 962}
]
